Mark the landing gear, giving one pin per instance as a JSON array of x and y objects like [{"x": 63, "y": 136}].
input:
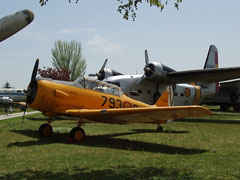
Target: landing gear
[
  {"x": 159, "y": 129},
  {"x": 45, "y": 130},
  {"x": 77, "y": 134}
]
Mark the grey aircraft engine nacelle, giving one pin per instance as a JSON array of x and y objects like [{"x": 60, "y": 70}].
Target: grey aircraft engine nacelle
[
  {"x": 5, "y": 100},
  {"x": 157, "y": 69},
  {"x": 107, "y": 72}
]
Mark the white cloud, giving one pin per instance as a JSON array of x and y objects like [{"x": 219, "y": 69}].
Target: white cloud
[
  {"x": 77, "y": 30},
  {"x": 101, "y": 44}
]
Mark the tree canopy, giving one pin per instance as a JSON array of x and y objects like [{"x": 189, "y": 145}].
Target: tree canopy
[
  {"x": 67, "y": 56},
  {"x": 55, "y": 74},
  {"x": 7, "y": 85},
  {"x": 129, "y": 7}
]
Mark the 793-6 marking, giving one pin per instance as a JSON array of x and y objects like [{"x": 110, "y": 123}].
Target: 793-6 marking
[{"x": 116, "y": 103}]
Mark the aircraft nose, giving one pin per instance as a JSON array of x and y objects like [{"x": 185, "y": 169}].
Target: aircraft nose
[{"x": 29, "y": 15}]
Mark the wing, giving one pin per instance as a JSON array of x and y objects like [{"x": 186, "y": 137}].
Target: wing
[
  {"x": 139, "y": 115},
  {"x": 206, "y": 75},
  {"x": 201, "y": 75}
]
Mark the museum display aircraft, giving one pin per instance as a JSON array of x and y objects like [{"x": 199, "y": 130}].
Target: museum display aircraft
[
  {"x": 187, "y": 87},
  {"x": 12, "y": 95},
  {"x": 13, "y": 23},
  {"x": 97, "y": 101}
]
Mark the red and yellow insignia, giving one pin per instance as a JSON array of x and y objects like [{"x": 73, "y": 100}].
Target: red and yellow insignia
[{"x": 187, "y": 92}]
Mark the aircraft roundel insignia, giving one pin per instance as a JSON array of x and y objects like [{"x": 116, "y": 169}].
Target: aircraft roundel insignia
[
  {"x": 187, "y": 92},
  {"x": 127, "y": 104}
]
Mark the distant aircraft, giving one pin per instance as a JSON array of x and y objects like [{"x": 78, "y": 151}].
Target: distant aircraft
[
  {"x": 12, "y": 96},
  {"x": 13, "y": 23},
  {"x": 227, "y": 97},
  {"x": 148, "y": 87},
  {"x": 97, "y": 101}
]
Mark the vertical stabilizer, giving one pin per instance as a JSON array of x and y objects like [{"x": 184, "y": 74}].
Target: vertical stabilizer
[
  {"x": 211, "y": 62},
  {"x": 166, "y": 98},
  {"x": 212, "y": 58}
]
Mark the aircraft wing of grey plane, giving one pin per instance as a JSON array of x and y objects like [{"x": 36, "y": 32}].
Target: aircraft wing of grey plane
[
  {"x": 202, "y": 75},
  {"x": 159, "y": 73}
]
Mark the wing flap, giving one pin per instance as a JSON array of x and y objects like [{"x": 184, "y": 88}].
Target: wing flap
[{"x": 139, "y": 115}]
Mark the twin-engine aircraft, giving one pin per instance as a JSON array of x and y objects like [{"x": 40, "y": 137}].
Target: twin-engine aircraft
[
  {"x": 13, "y": 23},
  {"x": 99, "y": 102},
  {"x": 148, "y": 87}
]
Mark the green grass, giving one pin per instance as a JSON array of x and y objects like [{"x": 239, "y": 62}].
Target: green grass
[{"x": 122, "y": 152}]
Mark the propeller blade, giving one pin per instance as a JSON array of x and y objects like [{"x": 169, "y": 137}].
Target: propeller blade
[
  {"x": 34, "y": 73},
  {"x": 146, "y": 58},
  {"x": 92, "y": 75},
  {"x": 104, "y": 65}
]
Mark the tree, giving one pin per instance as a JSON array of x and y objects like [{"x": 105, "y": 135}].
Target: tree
[
  {"x": 130, "y": 6},
  {"x": 7, "y": 85},
  {"x": 55, "y": 74},
  {"x": 67, "y": 56}
]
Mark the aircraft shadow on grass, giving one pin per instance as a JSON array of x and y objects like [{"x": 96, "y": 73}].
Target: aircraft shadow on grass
[
  {"x": 154, "y": 131},
  {"x": 116, "y": 173},
  {"x": 106, "y": 141},
  {"x": 217, "y": 121}
]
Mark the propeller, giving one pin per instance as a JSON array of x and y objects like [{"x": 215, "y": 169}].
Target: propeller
[
  {"x": 148, "y": 68},
  {"x": 32, "y": 88},
  {"x": 146, "y": 58},
  {"x": 100, "y": 74}
]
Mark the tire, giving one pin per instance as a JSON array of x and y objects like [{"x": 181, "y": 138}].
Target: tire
[
  {"x": 77, "y": 134},
  {"x": 45, "y": 130},
  {"x": 160, "y": 129}
]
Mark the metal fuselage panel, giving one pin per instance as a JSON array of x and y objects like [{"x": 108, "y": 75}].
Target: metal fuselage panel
[
  {"x": 144, "y": 89},
  {"x": 183, "y": 94}
]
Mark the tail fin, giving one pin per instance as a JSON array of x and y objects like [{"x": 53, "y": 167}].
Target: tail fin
[
  {"x": 212, "y": 58},
  {"x": 211, "y": 62},
  {"x": 166, "y": 98}
]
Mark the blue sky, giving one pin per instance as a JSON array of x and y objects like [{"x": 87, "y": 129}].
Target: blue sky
[{"x": 177, "y": 38}]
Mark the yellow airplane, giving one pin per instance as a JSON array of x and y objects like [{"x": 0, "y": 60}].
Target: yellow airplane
[{"x": 99, "y": 102}]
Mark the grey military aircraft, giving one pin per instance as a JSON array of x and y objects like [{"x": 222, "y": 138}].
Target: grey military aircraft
[{"x": 185, "y": 87}]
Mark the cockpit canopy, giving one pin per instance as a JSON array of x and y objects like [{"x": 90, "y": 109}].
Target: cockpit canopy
[{"x": 99, "y": 86}]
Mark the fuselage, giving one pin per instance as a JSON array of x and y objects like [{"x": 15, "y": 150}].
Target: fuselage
[
  {"x": 16, "y": 95},
  {"x": 55, "y": 97},
  {"x": 148, "y": 92}
]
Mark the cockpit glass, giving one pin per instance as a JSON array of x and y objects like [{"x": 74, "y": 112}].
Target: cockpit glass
[{"x": 100, "y": 86}]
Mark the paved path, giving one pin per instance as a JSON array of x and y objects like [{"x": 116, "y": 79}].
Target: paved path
[{"x": 13, "y": 115}]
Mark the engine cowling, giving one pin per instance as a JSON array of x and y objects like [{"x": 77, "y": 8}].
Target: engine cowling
[
  {"x": 157, "y": 69},
  {"x": 107, "y": 72}
]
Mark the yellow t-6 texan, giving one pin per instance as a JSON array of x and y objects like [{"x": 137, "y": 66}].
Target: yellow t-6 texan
[{"x": 100, "y": 102}]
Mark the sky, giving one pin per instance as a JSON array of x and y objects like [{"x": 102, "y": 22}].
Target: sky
[{"x": 179, "y": 39}]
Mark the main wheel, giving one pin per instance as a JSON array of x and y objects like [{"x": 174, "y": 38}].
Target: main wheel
[
  {"x": 159, "y": 129},
  {"x": 45, "y": 130},
  {"x": 77, "y": 134}
]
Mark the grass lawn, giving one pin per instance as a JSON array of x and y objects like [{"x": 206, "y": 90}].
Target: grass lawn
[{"x": 122, "y": 152}]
